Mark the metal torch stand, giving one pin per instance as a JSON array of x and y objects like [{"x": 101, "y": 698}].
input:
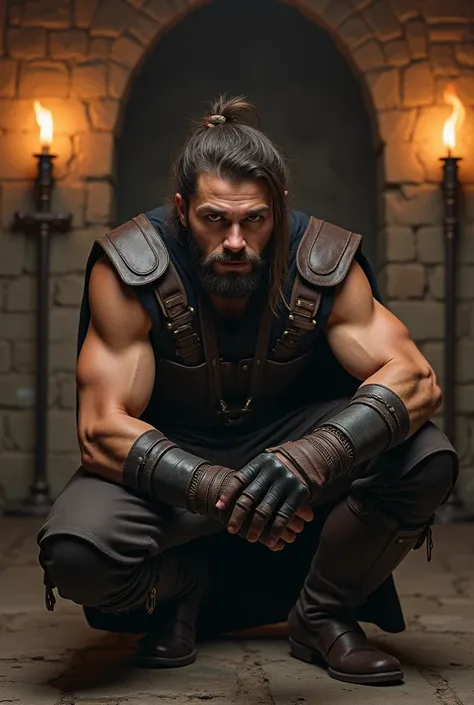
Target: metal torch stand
[
  {"x": 41, "y": 224},
  {"x": 453, "y": 510}
]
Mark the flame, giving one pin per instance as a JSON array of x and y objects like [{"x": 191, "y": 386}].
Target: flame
[
  {"x": 455, "y": 120},
  {"x": 44, "y": 118}
]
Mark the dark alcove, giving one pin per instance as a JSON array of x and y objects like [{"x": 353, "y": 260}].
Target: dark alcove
[{"x": 311, "y": 104}]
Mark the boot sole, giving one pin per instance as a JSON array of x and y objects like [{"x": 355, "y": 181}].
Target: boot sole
[
  {"x": 157, "y": 662},
  {"x": 303, "y": 653}
]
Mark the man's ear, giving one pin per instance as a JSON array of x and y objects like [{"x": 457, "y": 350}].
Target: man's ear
[{"x": 181, "y": 209}]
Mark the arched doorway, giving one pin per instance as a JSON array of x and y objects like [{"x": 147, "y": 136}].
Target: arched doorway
[{"x": 310, "y": 100}]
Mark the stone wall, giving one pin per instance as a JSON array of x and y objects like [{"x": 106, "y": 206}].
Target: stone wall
[{"x": 78, "y": 57}]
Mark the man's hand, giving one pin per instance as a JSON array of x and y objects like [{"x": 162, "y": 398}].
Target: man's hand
[
  {"x": 267, "y": 491},
  {"x": 295, "y": 526}
]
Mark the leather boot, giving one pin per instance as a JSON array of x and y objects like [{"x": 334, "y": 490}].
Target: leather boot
[
  {"x": 174, "y": 603},
  {"x": 359, "y": 548}
]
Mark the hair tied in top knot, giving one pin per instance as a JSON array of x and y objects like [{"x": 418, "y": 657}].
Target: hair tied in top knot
[{"x": 214, "y": 120}]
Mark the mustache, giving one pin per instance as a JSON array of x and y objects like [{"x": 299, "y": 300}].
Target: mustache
[{"x": 226, "y": 257}]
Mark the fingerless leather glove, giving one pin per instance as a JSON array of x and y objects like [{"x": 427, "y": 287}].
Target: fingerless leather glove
[{"x": 375, "y": 420}]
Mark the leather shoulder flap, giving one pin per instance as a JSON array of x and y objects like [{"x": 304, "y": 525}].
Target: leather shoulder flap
[
  {"x": 137, "y": 251},
  {"x": 326, "y": 252}
]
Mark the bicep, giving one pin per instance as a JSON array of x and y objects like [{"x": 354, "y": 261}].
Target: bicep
[
  {"x": 363, "y": 334},
  {"x": 115, "y": 370}
]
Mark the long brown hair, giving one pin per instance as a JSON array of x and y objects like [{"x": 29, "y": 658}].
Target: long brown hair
[{"x": 228, "y": 143}]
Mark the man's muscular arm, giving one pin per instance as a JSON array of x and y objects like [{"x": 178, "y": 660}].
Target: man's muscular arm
[
  {"x": 115, "y": 375},
  {"x": 398, "y": 394}
]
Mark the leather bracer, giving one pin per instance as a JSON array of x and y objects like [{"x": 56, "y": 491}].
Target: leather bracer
[
  {"x": 375, "y": 420},
  {"x": 159, "y": 469}
]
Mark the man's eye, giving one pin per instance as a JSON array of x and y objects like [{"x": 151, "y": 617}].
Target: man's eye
[
  {"x": 214, "y": 217},
  {"x": 255, "y": 218}
]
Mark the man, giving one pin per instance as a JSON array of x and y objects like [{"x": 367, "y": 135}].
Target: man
[{"x": 237, "y": 370}]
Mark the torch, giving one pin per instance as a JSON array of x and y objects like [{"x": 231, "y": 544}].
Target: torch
[
  {"x": 452, "y": 510},
  {"x": 41, "y": 224}
]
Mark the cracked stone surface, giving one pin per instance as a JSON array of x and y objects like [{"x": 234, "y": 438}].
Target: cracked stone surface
[{"x": 57, "y": 659}]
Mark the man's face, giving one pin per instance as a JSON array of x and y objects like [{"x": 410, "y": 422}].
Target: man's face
[{"x": 229, "y": 228}]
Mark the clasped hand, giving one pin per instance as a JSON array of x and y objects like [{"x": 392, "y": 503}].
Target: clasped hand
[{"x": 271, "y": 497}]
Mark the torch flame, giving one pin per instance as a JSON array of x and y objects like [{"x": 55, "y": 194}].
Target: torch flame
[
  {"x": 455, "y": 120},
  {"x": 44, "y": 118}
]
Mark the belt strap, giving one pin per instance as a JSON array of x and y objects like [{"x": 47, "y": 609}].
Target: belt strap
[
  {"x": 304, "y": 305},
  {"x": 171, "y": 296}
]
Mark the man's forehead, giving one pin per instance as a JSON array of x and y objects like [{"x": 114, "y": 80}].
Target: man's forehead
[{"x": 212, "y": 188}]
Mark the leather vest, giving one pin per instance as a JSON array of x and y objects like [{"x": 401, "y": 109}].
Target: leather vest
[{"x": 197, "y": 386}]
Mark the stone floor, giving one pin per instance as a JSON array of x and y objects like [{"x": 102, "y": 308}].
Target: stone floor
[{"x": 56, "y": 659}]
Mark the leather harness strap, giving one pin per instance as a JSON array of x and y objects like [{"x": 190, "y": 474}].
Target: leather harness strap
[{"x": 304, "y": 304}]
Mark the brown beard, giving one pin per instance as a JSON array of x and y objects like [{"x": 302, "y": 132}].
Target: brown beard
[{"x": 233, "y": 285}]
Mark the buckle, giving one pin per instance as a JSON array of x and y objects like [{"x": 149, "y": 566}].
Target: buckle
[{"x": 233, "y": 416}]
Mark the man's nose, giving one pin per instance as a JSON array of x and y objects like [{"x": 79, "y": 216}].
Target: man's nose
[{"x": 234, "y": 239}]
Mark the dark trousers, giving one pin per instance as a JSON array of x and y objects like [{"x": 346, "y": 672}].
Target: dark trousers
[{"x": 100, "y": 544}]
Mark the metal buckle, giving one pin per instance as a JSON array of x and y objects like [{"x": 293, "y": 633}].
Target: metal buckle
[{"x": 231, "y": 416}]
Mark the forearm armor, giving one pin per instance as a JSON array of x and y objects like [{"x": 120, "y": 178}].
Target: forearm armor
[
  {"x": 159, "y": 469},
  {"x": 375, "y": 420}
]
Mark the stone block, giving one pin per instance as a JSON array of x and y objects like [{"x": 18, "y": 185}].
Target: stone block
[
  {"x": 434, "y": 353},
  {"x": 385, "y": 88},
  {"x": 100, "y": 48},
  {"x": 62, "y": 357},
  {"x": 166, "y": 11},
  {"x": 24, "y": 356},
  {"x": 383, "y": 20},
  {"x": 51, "y": 14},
  {"x": 369, "y": 56},
  {"x": 400, "y": 243},
  {"x": 89, "y": 81},
  {"x": 63, "y": 324},
  {"x": 404, "y": 9},
  {"x": 67, "y": 394},
  {"x": 429, "y": 240},
  {"x": 414, "y": 205},
  {"x": 12, "y": 247},
  {"x": 424, "y": 319},
  {"x": 402, "y": 164},
  {"x": 99, "y": 199},
  {"x": 118, "y": 80},
  {"x": 17, "y": 155},
  {"x": 94, "y": 155},
  {"x": 145, "y": 29},
  {"x": 450, "y": 34},
  {"x": 26, "y": 43},
  {"x": 112, "y": 19},
  {"x": 21, "y": 294},
  {"x": 397, "y": 53},
  {"x": 436, "y": 283},
  {"x": 417, "y": 39},
  {"x": 20, "y": 428},
  {"x": 442, "y": 60},
  {"x": 17, "y": 326},
  {"x": 62, "y": 436},
  {"x": 418, "y": 85},
  {"x": 70, "y": 251},
  {"x": 465, "y": 54},
  {"x": 397, "y": 125},
  {"x": 464, "y": 89},
  {"x": 8, "y": 71},
  {"x": 405, "y": 281},
  {"x": 5, "y": 356},
  {"x": 336, "y": 11},
  {"x": 19, "y": 391},
  {"x": 466, "y": 244},
  {"x": 84, "y": 11},
  {"x": 44, "y": 80},
  {"x": 126, "y": 51},
  {"x": 104, "y": 114},
  {"x": 15, "y": 197},
  {"x": 68, "y": 290},
  {"x": 68, "y": 44},
  {"x": 439, "y": 11}
]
